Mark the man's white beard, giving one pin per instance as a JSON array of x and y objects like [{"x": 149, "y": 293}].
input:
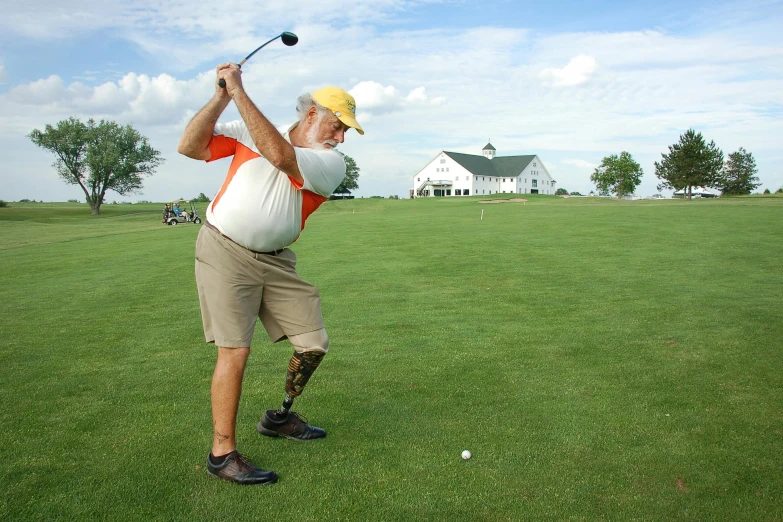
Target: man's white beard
[{"x": 312, "y": 137}]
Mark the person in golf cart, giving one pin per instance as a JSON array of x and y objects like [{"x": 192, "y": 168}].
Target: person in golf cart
[{"x": 181, "y": 212}]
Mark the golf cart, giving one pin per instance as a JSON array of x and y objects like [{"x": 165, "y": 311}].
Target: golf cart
[{"x": 174, "y": 215}]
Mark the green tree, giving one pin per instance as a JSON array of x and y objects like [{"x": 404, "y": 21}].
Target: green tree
[
  {"x": 617, "y": 174},
  {"x": 561, "y": 192},
  {"x": 350, "y": 182},
  {"x": 739, "y": 173},
  {"x": 766, "y": 191},
  {"x": 99, "y": 157},
  {"x": 202, "y": 198},
  {"x": 690, "y": 163}
]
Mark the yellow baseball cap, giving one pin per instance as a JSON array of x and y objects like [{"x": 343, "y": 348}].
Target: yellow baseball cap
[{"x": 340, "y": 103}]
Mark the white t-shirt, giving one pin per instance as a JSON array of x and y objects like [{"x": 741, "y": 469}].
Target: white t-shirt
[{"x": 259, "y": 206}]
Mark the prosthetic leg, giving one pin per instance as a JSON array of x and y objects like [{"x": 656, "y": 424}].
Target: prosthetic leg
[
  {"x": 300, "y": 369},
  {"x": 310, "y": 351}
]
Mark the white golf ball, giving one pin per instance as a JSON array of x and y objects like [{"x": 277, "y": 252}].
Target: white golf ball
[{"x": 466, "y": 455}]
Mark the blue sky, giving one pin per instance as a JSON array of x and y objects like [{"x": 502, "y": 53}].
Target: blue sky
[{"x": 570, "y": 81}]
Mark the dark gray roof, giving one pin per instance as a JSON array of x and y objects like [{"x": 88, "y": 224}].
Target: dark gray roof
[
  {"x": 500, "y": 166},
  {"x": 511, "y": 166},
  {"x": 488, "y": 146},
  {"x": 478, "y": 165}
]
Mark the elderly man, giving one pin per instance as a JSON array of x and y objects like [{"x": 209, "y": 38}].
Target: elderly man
[{"x": 244, "y": 271}]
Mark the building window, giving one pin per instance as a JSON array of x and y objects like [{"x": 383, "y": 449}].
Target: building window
[
  {"x": 457, "y": 192},
  {"x": 535, "y": 182},
  {"x": 534, "y": 164},
  {"x": 437, "y": 170},
  {"x": 448, "y": 192},
  {"x": 447, "y": 169},
  {"x": 482, "y": 192},
  {"x": 466, "y": 192},
  {"x": 443, "y": 160},
  {"x": 418, "y": 179},
  {"x": 482, "y": 178},
  {"x": 504, "y": 180}
]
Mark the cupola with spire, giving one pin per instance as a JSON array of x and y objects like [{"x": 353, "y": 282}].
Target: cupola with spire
[{"x": 489, "y": 151}]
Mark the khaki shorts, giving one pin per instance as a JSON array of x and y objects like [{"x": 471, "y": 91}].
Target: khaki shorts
[{"x": 237, "y": 286}]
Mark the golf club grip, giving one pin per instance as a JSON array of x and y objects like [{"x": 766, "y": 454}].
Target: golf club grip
[{"x": 222, "y": 82}]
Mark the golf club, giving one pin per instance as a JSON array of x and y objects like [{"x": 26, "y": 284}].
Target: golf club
[{"x": 288, "y": 38}]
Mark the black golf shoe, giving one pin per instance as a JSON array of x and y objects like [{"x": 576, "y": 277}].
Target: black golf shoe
[
  {"x": 293, "y": 427},
  {"x": 237, "y": 468}
]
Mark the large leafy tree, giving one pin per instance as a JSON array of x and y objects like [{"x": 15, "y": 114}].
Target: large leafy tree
[
  {"x": 739, "y": 173},
  {"x": 350, "y": 182},
  {"x": 690, "y": 163},
  {"x": 617, "y": 174},
  {"x": 99, "y": 157}
]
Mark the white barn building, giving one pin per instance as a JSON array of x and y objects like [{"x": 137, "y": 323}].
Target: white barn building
[{"x": 457, "y": 174}]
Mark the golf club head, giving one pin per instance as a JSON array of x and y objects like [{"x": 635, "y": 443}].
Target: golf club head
[{"x": 289, "y": 38}]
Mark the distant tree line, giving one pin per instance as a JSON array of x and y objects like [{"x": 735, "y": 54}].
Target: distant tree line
[{"x": 692, "y": 162}]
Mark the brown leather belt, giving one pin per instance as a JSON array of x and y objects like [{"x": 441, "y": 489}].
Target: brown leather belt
[{"x": 213, "y": 227}]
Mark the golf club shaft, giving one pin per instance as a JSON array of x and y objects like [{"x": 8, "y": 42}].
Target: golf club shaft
[{"x": 222, "y": 82}]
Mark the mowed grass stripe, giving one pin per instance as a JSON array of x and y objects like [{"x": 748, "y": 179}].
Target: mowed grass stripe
[{"x": 551, "y": 339}]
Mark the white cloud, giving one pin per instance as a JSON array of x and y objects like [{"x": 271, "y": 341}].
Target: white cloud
[
  {"x": 577, "y": 71},
  {"x": 417, "y": 94},
  {"x": 373, "y": 98},
  {"x": 582, "y": 164},
  {"x": 157, "y": 22},
  {"x": 372, "y": 95},
  {"x": 139, "y": 98}
]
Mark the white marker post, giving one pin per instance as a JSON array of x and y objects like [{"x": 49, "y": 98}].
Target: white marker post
[{"x": 482, "y": 214}]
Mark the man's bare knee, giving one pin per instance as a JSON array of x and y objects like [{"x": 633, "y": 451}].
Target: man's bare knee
[{"x": 316, "y": 341}]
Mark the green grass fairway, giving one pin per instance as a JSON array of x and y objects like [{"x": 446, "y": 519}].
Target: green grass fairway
[{"x": 601, "y": 359}]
